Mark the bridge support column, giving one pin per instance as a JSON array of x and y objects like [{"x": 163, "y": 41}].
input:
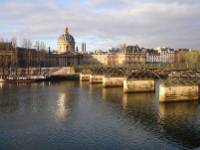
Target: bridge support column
[
  {"x": 138, "y": 85},
  {"x": 96, "y": 79},
  {"x": 176, "y": 93},
  {"x": 84, "y": 77},
  {"x": 113, "y": 81}
]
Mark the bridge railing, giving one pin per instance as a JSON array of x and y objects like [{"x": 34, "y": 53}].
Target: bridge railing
[{"x": 166, "y": 66}]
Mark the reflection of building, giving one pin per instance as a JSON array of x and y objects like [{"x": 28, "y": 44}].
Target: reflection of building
[
  {"x": 141, "y": 100},
  {"x": 180, "y": 112},
  {"x": 66, "y": 43},
  {"x": 8, "y": 104},
  {"x": 1, "y": 85},
  {"x": 63, "y": 108}
]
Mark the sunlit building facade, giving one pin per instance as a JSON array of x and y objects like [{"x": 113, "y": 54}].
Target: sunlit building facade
[{"x": 66, "y": 43}]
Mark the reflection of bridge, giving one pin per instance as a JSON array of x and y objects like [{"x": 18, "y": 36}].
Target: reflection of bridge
[{"x": 166, "y": 120}]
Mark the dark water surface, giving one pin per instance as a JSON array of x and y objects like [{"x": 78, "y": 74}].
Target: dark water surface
[{"x": 78, "y": 116}]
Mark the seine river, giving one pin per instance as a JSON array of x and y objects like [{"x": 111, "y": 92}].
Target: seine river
[{"x": 79, "y": 116}]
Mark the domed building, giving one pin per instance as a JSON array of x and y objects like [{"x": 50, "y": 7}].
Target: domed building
[{"x": 66, "y": 43}]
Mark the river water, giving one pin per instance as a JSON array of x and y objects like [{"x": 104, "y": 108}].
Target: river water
[{"x": 79, "y": 116}]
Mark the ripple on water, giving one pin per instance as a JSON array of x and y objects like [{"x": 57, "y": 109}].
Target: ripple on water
[{"x": 66, "y": 115}]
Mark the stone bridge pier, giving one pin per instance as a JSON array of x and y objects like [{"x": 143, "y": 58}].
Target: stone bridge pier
[
  {"x": 113, "y": 81},
  {"x": 138, "y": 85},
  {"x": 179, "y": 91},
  {"x": 144, "y": 80},
  {"x": 140, "y": 82},
  {"x": 84, "y": 77},
  {"x": 96, "y": 79}
]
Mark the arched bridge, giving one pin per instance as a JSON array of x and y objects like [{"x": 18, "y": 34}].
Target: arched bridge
[{"x": 126, "y": 72}]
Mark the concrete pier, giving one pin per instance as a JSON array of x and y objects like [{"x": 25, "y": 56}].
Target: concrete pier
[
  {"x": 96, "y": 79},
  {"x": 138, "y": 85},
  {"x": 84, "y": 77},
  {"x": 113, "y": 81},
  {"x": 176, "y": 93}
]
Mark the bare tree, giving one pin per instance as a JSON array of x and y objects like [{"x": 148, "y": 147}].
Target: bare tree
[
  {"x": 14, "y": 42},
  {"x": 15, "y": 58},
  {"x": 40, "y": 46},
  {"x": 27, "y": 44},
  {"x": 2, "y": 39},
  {"x": 123, "y": 47}
]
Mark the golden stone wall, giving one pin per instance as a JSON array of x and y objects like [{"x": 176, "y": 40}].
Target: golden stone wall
[{"x": 118, "y": 59}]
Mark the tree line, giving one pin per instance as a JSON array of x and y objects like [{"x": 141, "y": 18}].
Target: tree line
[{"x": 33, "y": 52}]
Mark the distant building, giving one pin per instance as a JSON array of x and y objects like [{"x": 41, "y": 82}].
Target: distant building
[
  {"x": 84, "y": 48},
  {"x": 163, "y": 55},
  {"x": 167, "y": 55},
  {"x": 115, "y": 56},
  {"x": 67, "y": 54},
  {"x": 8, "y": 55},
  {"x": 152, "y": 56},
  {"x": 180, "y": 55},
  {"x": 66, "y": 43},
  {"x": 132, "y": 55},
  {"x": 35, "y": 58}
]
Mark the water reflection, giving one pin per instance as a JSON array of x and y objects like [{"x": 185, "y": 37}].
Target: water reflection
[
  {"x": 170, "y": 121},
  {"x": 65, "y": 96},
  {"x": 95, "y": 88},
  {"x": 179, "y": 120},
  {"x": 183, "y": 111},
  {"x": 138, "y": 100},
  {"x": 63, "y": 107},
  {"x": 1, "y": 85},
  {"x": 140, "y": 110},
  {"x": 83, "y": 84},
  {"x": 77, "y": 116},
  {"x": 9, "y": 104},
  {"x": 113, "y": 95},
  {"x": 8, "y": 101}
]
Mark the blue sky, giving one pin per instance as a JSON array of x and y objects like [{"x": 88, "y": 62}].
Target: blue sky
[{"x": 103, "y": 24}]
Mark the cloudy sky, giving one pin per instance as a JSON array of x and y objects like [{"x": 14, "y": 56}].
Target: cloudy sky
[{"x": 103, "y": 24}]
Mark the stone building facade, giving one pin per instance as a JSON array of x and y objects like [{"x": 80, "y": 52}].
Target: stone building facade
[
  {"x": 130, "y": 55},
  {"x": 165, "y": 55},
  {"x": 8, "y": 57},
  {"x": 180, "y": 55},
  {"x": 35, "y": 58}
]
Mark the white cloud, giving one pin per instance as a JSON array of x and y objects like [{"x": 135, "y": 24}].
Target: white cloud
[{"x": 104, "y": 23}]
